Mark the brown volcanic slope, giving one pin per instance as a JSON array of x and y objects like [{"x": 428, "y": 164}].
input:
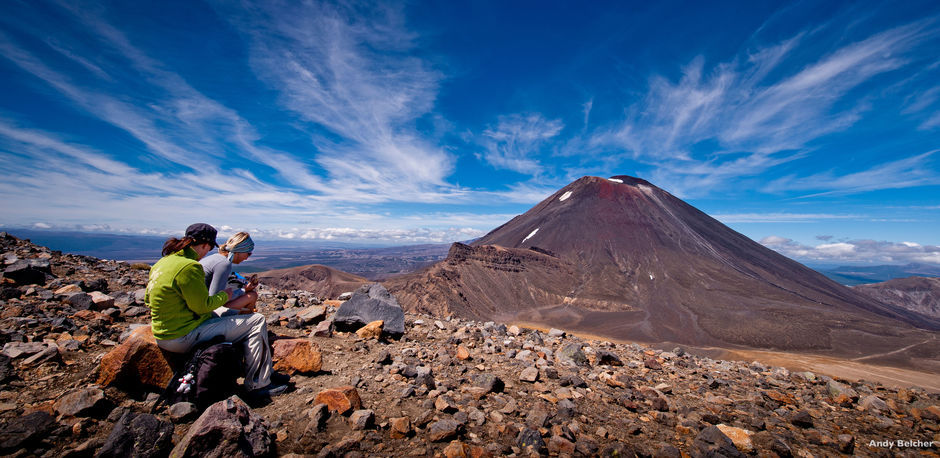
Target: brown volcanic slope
[
  {"x": 917, "y": 294},
  {"x": 325, "y": 282},
  {"x": 628, "y": 260}
]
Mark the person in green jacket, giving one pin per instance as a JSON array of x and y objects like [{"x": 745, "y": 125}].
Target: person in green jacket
[{"x": 181, "y": 309}]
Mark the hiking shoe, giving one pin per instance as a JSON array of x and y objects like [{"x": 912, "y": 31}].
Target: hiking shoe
[
  {"x": 279, "y": 378},
  {"x": 269, "y": 391}
]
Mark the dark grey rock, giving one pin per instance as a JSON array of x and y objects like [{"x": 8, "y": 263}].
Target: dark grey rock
[
  {"x": 85, "y": 402},
  {"x": 23, "y": 431},
  {"x": 7, "y": 372},
  {"x": 227, "y": 428},
  {"x": 371, "y": 303},
  {"x": 28, "y": 272},
  {"x": 802, "y": 419},
  {"x": 81, "y": 301},
  {"x": 605, "y": 357},
  {"x": 711, "y": 442},
  {"x": 489, "y": 382},
  {"x": 572, "y": 380},
  {"x": 764, "y": 440},
  {"x": 138, "y": 435},
  {"x": 531, "y": 438},
  {"x": 135, "y": 311}
]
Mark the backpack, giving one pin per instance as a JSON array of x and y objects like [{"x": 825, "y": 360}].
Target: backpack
[{"x": 209, "y": 375}]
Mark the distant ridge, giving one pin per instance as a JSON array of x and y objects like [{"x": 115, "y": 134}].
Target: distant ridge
[
  {"x": 622, "y": 258},
  {"x": 917, "y": 294},
  {"x": 325, "y": 282}
]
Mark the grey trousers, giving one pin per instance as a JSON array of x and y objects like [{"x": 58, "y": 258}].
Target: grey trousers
[{"x": 249, "y": 329}]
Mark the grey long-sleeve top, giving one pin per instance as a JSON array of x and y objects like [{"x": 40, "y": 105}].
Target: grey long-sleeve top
[{"x": 217, "y": 269}]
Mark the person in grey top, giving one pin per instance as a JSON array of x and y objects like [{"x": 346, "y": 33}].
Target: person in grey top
[{"x": 218, "y": 267}]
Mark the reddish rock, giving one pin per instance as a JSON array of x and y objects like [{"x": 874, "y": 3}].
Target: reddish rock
[
  {"x": 138, "y": 361},
  {"x": 558, "y": 445},
  {"x": 399, "y": 428},
  {"x": 295, "y": 356},
  {"x": 779, "y": 397},
  {"x": 342, "y": 400},
  {"x": 462, "y": 353},
  {"x": 457, "y": 449},
  {"x": 372, "y": 330}
]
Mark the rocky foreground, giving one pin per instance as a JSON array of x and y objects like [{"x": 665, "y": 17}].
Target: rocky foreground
[{"x": 78, "y": 376}]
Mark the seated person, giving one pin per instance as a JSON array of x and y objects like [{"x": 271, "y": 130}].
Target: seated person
[
  {"x": 218, "y": 268},
  {"x": 181, "y": 309}
]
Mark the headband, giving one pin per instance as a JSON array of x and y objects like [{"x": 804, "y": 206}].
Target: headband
[{"x": 245, "y": 246}]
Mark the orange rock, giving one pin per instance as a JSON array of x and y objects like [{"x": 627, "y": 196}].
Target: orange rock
[
  {"x": 740, "y": 437},
  {"x": 477, "y": 451},
  {"x": 372, "y": 330},
  {"x": 779, "y": 397},
  {"x": 462, "y": 353},
  {"x": 399, "y": 428},
  {"x": 932, "y": 412},
  {"x": 137, "y": 361},
  {"x": 457, "y": 449},
  {"x": 68, "y": 289},
  {"x": 342, "y": 400},
  {"x": 297, "y": 356},
  {"x": 91, "y": 315}
]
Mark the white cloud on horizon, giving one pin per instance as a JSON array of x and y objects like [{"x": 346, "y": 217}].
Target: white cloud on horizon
[{"x": 860, "y": 251}]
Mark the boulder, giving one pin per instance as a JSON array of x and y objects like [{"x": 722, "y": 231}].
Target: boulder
[
  {"x": 529, "y": 374},
  {"x": 372, "y": 330},
  {"x": 872, "y": 402},
  {"x": 341, "y": 400},
  {"x": 531, "y": 438},
  {"x": 490, "y": 383},
  {"x": 297, "y": 356},
  {"x": 83, "y": 403},
  {"x": 605, "y": 357},
  {"x": 138, "y": 361},
  {"x": 138, "y": 435},
  {"x": 24, "y": 430},
  {"x": 227, "y": 428},
  {"x": 371, "y": 303},
  {"x": 80, "y": 301},
  {"x": 182, "y": 412},
  {"x": 838, "y": 390}
]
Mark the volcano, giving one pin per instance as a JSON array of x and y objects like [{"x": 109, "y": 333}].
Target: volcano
[{"x": 622, "y": 258}]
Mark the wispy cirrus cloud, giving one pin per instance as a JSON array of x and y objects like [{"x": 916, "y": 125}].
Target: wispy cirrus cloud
[
  {"x": 348, "y": 73},
  {"x": 730, "y": 218},
  {"x": 903, "y": 173},
  {"x": 741, "y": 118},
  {"x": 855, "y": 251},
  {"x": 516, "y": 141}
]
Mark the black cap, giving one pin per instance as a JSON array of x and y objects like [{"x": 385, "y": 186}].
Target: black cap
[{"x": 202, "y": 233}]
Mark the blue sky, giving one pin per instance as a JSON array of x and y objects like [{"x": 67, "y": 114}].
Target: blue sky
[{"x": 813, "y": 127}]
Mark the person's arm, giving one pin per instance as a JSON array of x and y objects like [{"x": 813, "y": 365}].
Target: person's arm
[
  {"x": 219, "y": 280},
  {"x": 192, "y": 284}
]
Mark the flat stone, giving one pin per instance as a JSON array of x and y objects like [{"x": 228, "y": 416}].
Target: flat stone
[
  {"x": 342, "y": 400},
  {"x": 873, "y": 402},
  {"x": 138, "y": 435},
  {"x": 24, "y": 430},
  {"x": 297, "y": 356},
  {"x": 68, "y": 289},
  {"x": 312, "y": 314},
  {"x": 14, "y": 350},
  {"x": 82, "y": 403}
]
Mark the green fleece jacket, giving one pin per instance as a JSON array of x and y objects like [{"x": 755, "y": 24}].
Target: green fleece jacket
[{"x": 177, "y": 295}]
